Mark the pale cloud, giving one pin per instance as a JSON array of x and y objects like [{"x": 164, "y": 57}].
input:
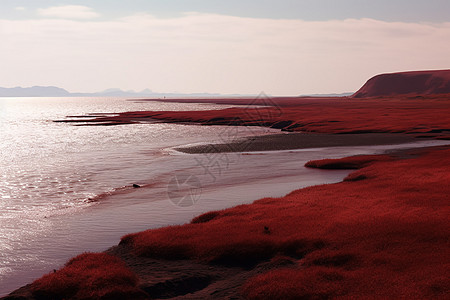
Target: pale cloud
[
  {"x": 216, "y": 53},
  {"x": 19, "y": 8},
  {"x": 68, "y": 12}
]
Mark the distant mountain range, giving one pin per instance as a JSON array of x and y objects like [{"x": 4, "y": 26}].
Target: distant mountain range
[
  {"x": 53, "y": 91},
  {"x": 401, "y": 83},
  {"x": 35, "y": 91}
]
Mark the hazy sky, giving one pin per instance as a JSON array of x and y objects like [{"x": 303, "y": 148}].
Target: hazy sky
[{"x": 281, "y": 47}]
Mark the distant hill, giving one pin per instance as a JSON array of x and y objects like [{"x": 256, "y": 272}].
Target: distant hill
[
  {"x": 35, "y": 91},
  {"x": 52, "y": 91},
  {"x": 406, "y": 83}
]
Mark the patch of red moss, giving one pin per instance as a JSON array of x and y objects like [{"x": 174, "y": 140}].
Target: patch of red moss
[
  {"x": 383, "y": 237},
  {"x": 351, "y": 162},
  {"x": 89, "y": 276}
]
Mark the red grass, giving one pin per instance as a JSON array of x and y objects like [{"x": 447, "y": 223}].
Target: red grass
[
  {"x": 352, "y": 162},
  {"x": 313, "y": 283},
  {"x": 323, "y": 115},
  {"x": 385, "y": 236},
  {"x": 89, "y": 276}
]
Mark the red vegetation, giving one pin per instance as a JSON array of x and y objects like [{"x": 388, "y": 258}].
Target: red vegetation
[
  {"x": 382, "y": 237},
  {"x": 413, "y": 83},
  {"x": 89, "y": 276},
  {"x": 408, "y": 102},
  {"x": 322, "y": 115},
  {"x": 352, "y": 162},
  {"x": 313, "y": 283}
]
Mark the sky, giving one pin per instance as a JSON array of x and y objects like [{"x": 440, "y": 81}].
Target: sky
[{"x": 280, "y": 47}]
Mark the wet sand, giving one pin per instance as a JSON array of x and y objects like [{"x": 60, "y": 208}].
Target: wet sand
[{"x": 291, "y": 141}]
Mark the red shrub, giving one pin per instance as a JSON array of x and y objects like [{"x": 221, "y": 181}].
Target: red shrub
[{"x": 89, "y": 276}]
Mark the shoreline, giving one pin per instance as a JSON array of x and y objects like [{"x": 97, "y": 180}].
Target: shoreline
[{"x": 324, "y": 241}]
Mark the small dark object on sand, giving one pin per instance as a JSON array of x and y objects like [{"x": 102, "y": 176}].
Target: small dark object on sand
[
  {"x": 136, "y": 185},
  {"x": 266, "y": 230}
]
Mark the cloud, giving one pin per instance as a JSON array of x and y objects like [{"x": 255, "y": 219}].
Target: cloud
[
  {"x": 19, "y": 8},
  {"x": 68, "y": 12},
  {"x": 216, "y": 53}
]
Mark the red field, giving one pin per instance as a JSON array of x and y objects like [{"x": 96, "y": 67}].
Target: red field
[
  {"x": 428, "y": 115},
  {"x": 385, "y": 235}
]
